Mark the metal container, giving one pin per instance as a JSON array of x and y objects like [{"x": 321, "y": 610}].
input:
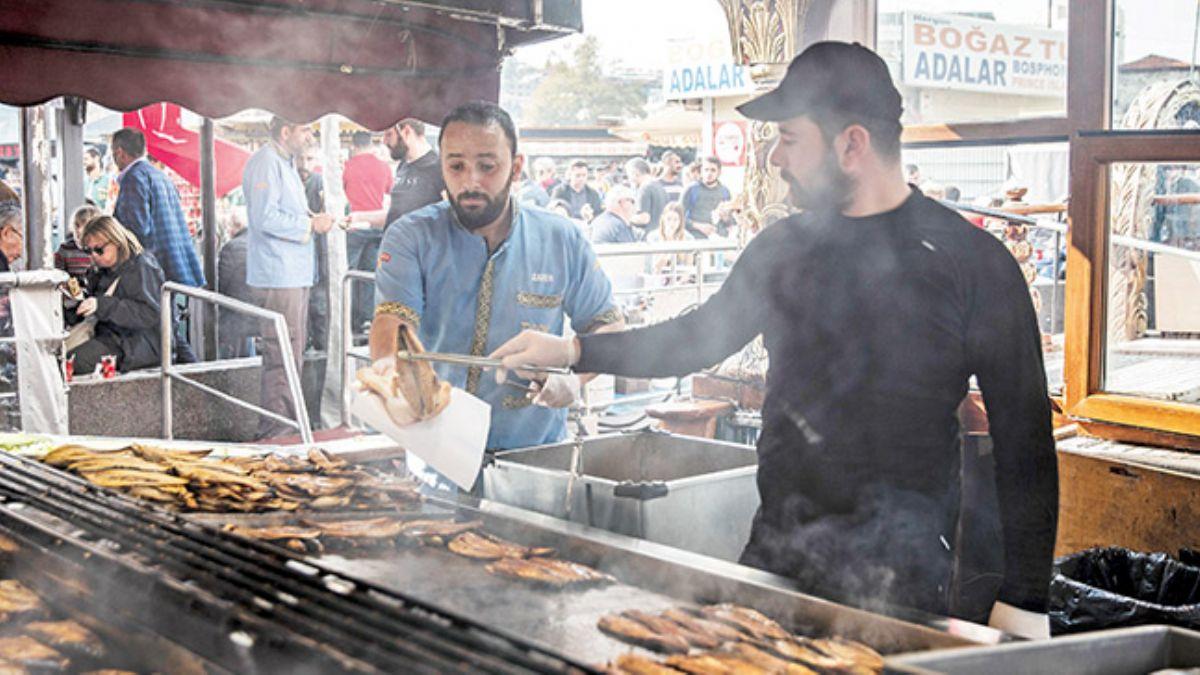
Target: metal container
[
  {"x": 689, "y": 493},
  {"x": 1121, "y": 651}
]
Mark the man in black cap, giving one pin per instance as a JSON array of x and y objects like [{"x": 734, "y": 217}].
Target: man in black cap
[{"x": 876, "y": 305}]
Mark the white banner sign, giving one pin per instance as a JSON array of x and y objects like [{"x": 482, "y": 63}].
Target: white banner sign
[
  {"x": 954, "y": 52},
  {"x": 703, "y": 68}
]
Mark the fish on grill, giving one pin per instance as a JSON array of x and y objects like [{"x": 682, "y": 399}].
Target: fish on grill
[
  {"x": 713, "y": 663},
  {"x": 115, "y": 460},
  {"x": 18, "y": 602},
  {"x": 156, "y": 454},
  {"x": 360, "y": 531},
  {"x": 747, "y": 620},
  {"x": 549, "y": 572},
  {"x": 109, "y": 671},
  {"x": 802, "y": 651},
  {"x": 856, "y": 652},
  {"x": 436, "y": 532},
  {"x": 129, "y": 478},
  {"x": 753, "y": 655},
  {"x": 324, "y": 461},
  {"x": 28, "y": 652},
  {"x": 272, "y": 533},
  {"x": 664, "y": 626},
  {"x": 637, "y": 633},
  {"x": 63, "y": 455},
  {"x": 67, "y": 636},
  {"x": 721, "y": 631},
  {"x": 632, "y": 664},
  {"x": 483, "y": 546}
]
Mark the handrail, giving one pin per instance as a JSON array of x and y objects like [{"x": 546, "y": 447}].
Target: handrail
[
  {"x": 348, "y": 279},
  {"x": 1061, "y": 228},
  {"x": 698, "y": 247},
  {"x": 166, "y": 314}
]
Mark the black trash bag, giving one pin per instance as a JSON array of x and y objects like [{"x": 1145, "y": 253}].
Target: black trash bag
[{"x": 1111, "y": 587}]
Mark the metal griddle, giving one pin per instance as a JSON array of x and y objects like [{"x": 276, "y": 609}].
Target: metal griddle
[{"x": 654, "y": 577}]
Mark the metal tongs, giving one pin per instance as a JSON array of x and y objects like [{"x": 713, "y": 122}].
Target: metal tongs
[{"x": 477, "y": 361}]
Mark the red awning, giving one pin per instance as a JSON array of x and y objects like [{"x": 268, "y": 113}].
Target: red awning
[
  {"x": 374, "y": 62},
  {"x": 179, "y": 148}
]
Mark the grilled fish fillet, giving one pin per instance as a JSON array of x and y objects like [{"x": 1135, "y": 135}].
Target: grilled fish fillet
[
  {"x": 115, "y": 461},
  {"x": 556, "y": 573},
  {"x": 637, "y": 633},
  {"x": 751, "y": 654},
  {"x": 747, "y": 620},
  {"x": 274, "y": 533},
  {"x": 324, "y": 461},
  {"x": 849, "y": 650},
  {"x": 632, "y": 664},
  {"x": 722, "y": 632},
  {"x": 156, "y": 454},
  {"x": 713, "y": 664},
  {"x": 664, "y": 626},
  {"x": 370, "y": 528},
  {"x": 69, "y": 636},
  {"x": 125, "y": 478},
  {"x": 437, "y": 529},
  {"x": 65, "y": 454},
  {"x": 16, "y": 598},
  {"x": 26, "y": 651},
  {"x": 483, "y": 546},
  {"x": 802, "y": 651}
]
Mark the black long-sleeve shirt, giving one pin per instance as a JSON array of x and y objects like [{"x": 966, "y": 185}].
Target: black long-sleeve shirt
[{"x": 874, "y": 326}]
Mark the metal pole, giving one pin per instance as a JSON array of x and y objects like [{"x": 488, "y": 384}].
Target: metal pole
[
  {"x": 165, "y": 312},
  {"x": 208, "y": 210},
  {"x": 70, "y": 133},
  {"x": 293, "y": 378},
  {"x": 1054, "y": 287},
  {"x": 699, "y": 278},
  {"x": 34, "y": 165},
  {"x": 347, "y": 294}
]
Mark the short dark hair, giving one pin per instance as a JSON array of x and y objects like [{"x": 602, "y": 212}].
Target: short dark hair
[
  {"x": 911, "y": 168},
  {"x": 130, "y": 141},
  {"x": 277, "y": 124},
  {"x": 953, "y": 194},
  {"x": 93, "y": 151},
  {"x": 711, "y": 160},
  {"x": 481, "y": 114},
  {"x": 416, "y": 125},
  {"x": 361, "y": 139},
  {"x": 885, "y": 134},
  {"x": 580, "y": 162}
]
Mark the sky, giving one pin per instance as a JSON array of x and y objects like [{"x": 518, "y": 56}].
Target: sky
[{"x": 634, "y": 31}]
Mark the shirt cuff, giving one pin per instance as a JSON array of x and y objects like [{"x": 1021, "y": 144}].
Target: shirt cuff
[
  {"x": 609, "y": 316},
  {"x": 406, "y": 313}
]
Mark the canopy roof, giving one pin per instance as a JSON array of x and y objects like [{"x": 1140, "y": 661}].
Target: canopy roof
[{"x": 374, "y": 61}]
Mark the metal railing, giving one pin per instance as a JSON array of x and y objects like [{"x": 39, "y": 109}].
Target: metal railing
[
  {"x": 350, "y": 278},
  {"x": 699, "y": 248},
  {"x": 170, "y": 373}
]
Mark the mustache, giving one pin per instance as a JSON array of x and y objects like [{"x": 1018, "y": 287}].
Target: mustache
[{"x": 473, "y": 195}]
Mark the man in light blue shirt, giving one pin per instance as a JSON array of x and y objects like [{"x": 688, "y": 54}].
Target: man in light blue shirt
[
  {"x": 281, "y": 258},
  {"x": 474, "y": 271}
]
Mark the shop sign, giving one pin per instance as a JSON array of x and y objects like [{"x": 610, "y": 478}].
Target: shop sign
[
  {"x": 966, "y": 54},
  {"x": 10, "y": 151},
  {"x": 729, "y": 143},
  {"x": 703, "y": 69}
]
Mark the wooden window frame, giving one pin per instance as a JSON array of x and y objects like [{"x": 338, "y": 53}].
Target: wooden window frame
[{"x": 1093, "y": 150}]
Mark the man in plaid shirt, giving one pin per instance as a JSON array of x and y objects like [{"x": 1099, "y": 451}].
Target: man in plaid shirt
[{"x": 148, "y": 206}]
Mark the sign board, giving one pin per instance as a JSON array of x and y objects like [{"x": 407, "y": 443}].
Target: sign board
[
  {"x": 703, "y": 69},
  {"x": 966, "y": 54},
  {"x": 729, "y": 142}
]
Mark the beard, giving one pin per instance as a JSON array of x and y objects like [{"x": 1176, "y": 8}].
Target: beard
[
  {"x": 830, "y": 188},
  {"x": 398, "y": 151},
  {"x": 493, "y": 207}
]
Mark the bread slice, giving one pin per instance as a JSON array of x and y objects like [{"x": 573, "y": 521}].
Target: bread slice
[{"x": 411, "y": 392}]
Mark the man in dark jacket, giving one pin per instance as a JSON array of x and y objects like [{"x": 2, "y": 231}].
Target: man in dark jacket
[
  {"x": 236, "y": 329},
  {"x": 876, "y": 305},
  {"x": 583, "y": 201}
]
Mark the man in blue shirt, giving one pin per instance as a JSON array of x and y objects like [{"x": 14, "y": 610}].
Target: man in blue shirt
[
  {"x": 474, "y": 271},
  {"x": 281, "y": 256}
]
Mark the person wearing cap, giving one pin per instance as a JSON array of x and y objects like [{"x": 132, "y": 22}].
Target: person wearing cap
[{"x": 876, "y": 305}]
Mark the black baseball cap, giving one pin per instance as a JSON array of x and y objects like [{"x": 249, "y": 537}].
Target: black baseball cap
[{"x": 830, "y": 76}]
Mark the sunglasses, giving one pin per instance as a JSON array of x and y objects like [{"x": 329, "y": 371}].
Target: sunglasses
[{"x": 96, "y": 250}]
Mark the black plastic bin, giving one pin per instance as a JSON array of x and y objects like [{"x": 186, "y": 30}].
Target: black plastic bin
[{"x": 1114, "y": 587}]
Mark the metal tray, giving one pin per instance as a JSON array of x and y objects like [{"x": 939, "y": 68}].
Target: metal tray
[
  {"x": 649, "y": 485},
  {"x": 1121, "y": 651}
]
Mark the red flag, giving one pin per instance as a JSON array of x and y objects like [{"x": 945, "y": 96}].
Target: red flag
[{"x": 179, "y": 148}]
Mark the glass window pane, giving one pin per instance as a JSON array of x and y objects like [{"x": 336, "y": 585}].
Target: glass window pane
[
  {"x": 975, "y": 60},
  {"x": 1152, "y": 56},
  {"x": 1152, "y": 346}
]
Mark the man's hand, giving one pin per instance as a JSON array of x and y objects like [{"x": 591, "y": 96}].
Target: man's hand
[
  {"x": 704, "y": 228},
  {"x": 586, "y": 213},
  {"x": 557, "y": 391},
  {"x": 86, "y": 308},
  {"x": 321, "y": 223},
  {"x": 535, "y": 348},
  {"x": 397, "y": 407},
  {"x": 1014, "y": 621}
]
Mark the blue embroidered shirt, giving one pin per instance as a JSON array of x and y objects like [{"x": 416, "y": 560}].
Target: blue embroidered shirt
[
  {"x": 435, "y": 273},
  {"x": 280, "y": 249}
]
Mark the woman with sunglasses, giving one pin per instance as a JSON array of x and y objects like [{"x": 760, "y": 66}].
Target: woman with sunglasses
[{"x": 123, "y": 298}]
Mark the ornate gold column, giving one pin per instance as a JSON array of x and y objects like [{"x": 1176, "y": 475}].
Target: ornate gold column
[{"x": 765, "y": 35}]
